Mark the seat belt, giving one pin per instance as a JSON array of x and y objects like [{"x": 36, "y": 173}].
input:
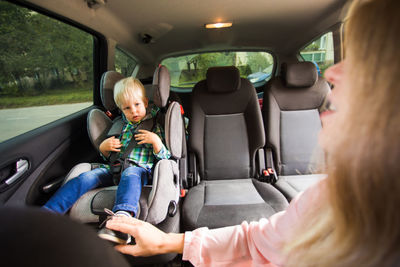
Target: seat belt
[{"x": 119, "y": 163}]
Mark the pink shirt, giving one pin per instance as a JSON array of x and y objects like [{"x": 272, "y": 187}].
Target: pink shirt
[{"x": 255, "y": 244}]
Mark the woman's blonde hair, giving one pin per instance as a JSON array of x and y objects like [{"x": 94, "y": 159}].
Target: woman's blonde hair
[
  {"x": 129, "y": 88},
  {"x": 357, "y": 221}
]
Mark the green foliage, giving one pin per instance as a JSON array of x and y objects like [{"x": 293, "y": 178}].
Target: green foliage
[
  {"x": 38, "y": 53},
  {"x": 311, "y": 47},
  {"x": 258, "y": 61},
  {"x": 54, "y": 97},
  {"x": 124, "y": 63}
]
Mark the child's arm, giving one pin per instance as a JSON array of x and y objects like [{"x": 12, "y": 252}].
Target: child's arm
[
  {"x": 147, "y": 137},
  {"x": 110, "y": 144}
]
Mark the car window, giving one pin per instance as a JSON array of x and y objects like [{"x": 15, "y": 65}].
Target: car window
[
  {"x": 124, "y": 63},
  {"x": 46, "y": 70},
  {"x": 320, "y": 52},
  {"x": 187, "y": 70}
]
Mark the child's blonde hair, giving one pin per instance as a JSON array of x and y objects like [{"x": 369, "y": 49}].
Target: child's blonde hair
[{"x": 129, "y": 88}]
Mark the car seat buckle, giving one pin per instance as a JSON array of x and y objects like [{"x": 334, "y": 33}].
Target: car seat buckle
[
  {"x": 265, "y": 177},
  {"x": 109, "y": 114},
  {"x": 183, "y": 193}
]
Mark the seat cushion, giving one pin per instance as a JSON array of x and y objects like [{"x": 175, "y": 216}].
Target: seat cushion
[
  {"x": 291, "y": 185},
  {"x": 219, "y": 203}
]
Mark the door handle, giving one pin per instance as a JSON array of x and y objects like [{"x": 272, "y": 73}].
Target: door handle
[{"x": 22, "y": 166}]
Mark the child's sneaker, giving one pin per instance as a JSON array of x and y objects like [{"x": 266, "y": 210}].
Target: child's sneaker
[{"x": 111, "y": 235}]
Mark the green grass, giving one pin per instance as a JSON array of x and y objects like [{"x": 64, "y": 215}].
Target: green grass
[{"x": 54, "y": 97}]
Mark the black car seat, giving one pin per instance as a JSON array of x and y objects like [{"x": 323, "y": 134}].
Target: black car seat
[
  {"x": 225, "y": 133},
  {"x": 291, "y": 108},
  {"x": 159, "y": 202}
]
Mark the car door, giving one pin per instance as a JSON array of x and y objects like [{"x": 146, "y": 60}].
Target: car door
[{"x": 49, "y": 70}]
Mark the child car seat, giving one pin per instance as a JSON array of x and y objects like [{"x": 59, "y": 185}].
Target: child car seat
[{"x": 157, "y": 200}]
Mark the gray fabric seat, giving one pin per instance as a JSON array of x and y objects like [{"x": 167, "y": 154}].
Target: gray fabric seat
[
  {"x": 291, "y": 108},
  {"x": 225, "y": 133}
]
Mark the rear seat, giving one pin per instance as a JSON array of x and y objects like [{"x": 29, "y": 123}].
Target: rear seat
[
  {"x": 225, "y": 134},
  {"x": 291, "y": 107}
]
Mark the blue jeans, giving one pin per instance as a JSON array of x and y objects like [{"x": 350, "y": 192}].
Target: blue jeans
[{"x": 128, "y": 192}]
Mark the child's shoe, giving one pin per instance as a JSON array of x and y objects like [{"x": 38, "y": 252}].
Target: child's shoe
[{"x": 111, "y": 235}]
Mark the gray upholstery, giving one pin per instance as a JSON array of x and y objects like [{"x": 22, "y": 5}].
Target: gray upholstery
[
  {"x": 164, "y": 190},
  {"x": 223, "y": 79},
  {"x": 291, "y": 185},
  {"x": 301, "y": 74},
  {"x": 299, "y": 141},
  {"x": 291, "y": 107},
  {"x": 239, "y": 106},
  {"x": 98, "y": 124},
  {"x": 161, "y": 86},
  {"x": 108, "y": 80},
  {"x": 225, "y": 132},
  {"x": 174, "y": 136},
  {"x": 220, "y": 203}
]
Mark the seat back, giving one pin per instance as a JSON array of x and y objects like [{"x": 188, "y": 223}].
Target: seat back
[
  {"x": 291, "y": 107},
  {"x": 225, "y": 128}
]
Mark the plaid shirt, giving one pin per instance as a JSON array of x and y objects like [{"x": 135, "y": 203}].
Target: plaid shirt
[{"x": 142, "y": 155}]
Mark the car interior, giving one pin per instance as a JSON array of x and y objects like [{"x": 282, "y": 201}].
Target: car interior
[{"x": 239, "y": 85}]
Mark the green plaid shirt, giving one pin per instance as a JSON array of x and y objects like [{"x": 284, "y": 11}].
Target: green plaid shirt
[{"x": 142, "y": 155}]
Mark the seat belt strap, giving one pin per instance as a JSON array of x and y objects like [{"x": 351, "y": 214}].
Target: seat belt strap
[{"x": 119, "y": 164}]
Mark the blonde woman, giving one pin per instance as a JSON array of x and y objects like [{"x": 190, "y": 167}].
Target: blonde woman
[{"x": 351, "y": 218}]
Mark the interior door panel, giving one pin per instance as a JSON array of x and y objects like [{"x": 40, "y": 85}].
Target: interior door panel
[{"x": 50, "y": 152}]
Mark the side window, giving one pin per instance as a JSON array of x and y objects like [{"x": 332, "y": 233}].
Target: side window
[
  {"x": 46, "y": 70},
  {"x": 124, "y": 63},
  {"x": 320, "y": 52}
]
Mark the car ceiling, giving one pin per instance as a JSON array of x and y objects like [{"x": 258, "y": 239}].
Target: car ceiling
[{"x": 177, "y": 26}]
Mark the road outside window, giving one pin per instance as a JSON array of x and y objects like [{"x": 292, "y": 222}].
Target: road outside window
[{"x": 46, "y": 70}]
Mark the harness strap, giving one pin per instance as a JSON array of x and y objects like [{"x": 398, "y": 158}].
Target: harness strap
[{"x": 119, "y": 163}]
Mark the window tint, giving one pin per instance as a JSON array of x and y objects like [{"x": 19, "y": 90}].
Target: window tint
[
  {"x": 187, "y": 70},
  {"x": 46, "y": 70},
  {"x": 320, "y": 52},
  {"x": 124, "y": 63}
]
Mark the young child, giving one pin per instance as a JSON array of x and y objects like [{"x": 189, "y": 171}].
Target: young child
[{"x": 130, "y": 97}]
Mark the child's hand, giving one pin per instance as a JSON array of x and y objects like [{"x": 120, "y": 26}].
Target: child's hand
[
  {"x": 147, "y": 137},
  {"x": 110, "y": 144}
]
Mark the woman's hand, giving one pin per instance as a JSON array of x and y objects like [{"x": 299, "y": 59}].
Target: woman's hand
[
  {"x": 147, "y": 137},
  {"x": 110, "y": 144},
  {"x": 149, "y": 239}
]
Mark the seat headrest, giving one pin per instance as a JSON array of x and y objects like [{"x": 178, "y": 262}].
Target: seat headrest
[
  {"x": 158, "y": 92},
  {"x": 300, "y": 74},
  {"x": 161, "y": 86},
  {"x": 108, "y": 80},
  {"x": 223, "y": 79}
]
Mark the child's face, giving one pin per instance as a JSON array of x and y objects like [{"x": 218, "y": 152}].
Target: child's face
[{"x": 134, "y": 109}]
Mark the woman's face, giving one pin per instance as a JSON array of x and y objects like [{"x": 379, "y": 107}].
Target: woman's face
[{"x": 338, "y": 77}]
